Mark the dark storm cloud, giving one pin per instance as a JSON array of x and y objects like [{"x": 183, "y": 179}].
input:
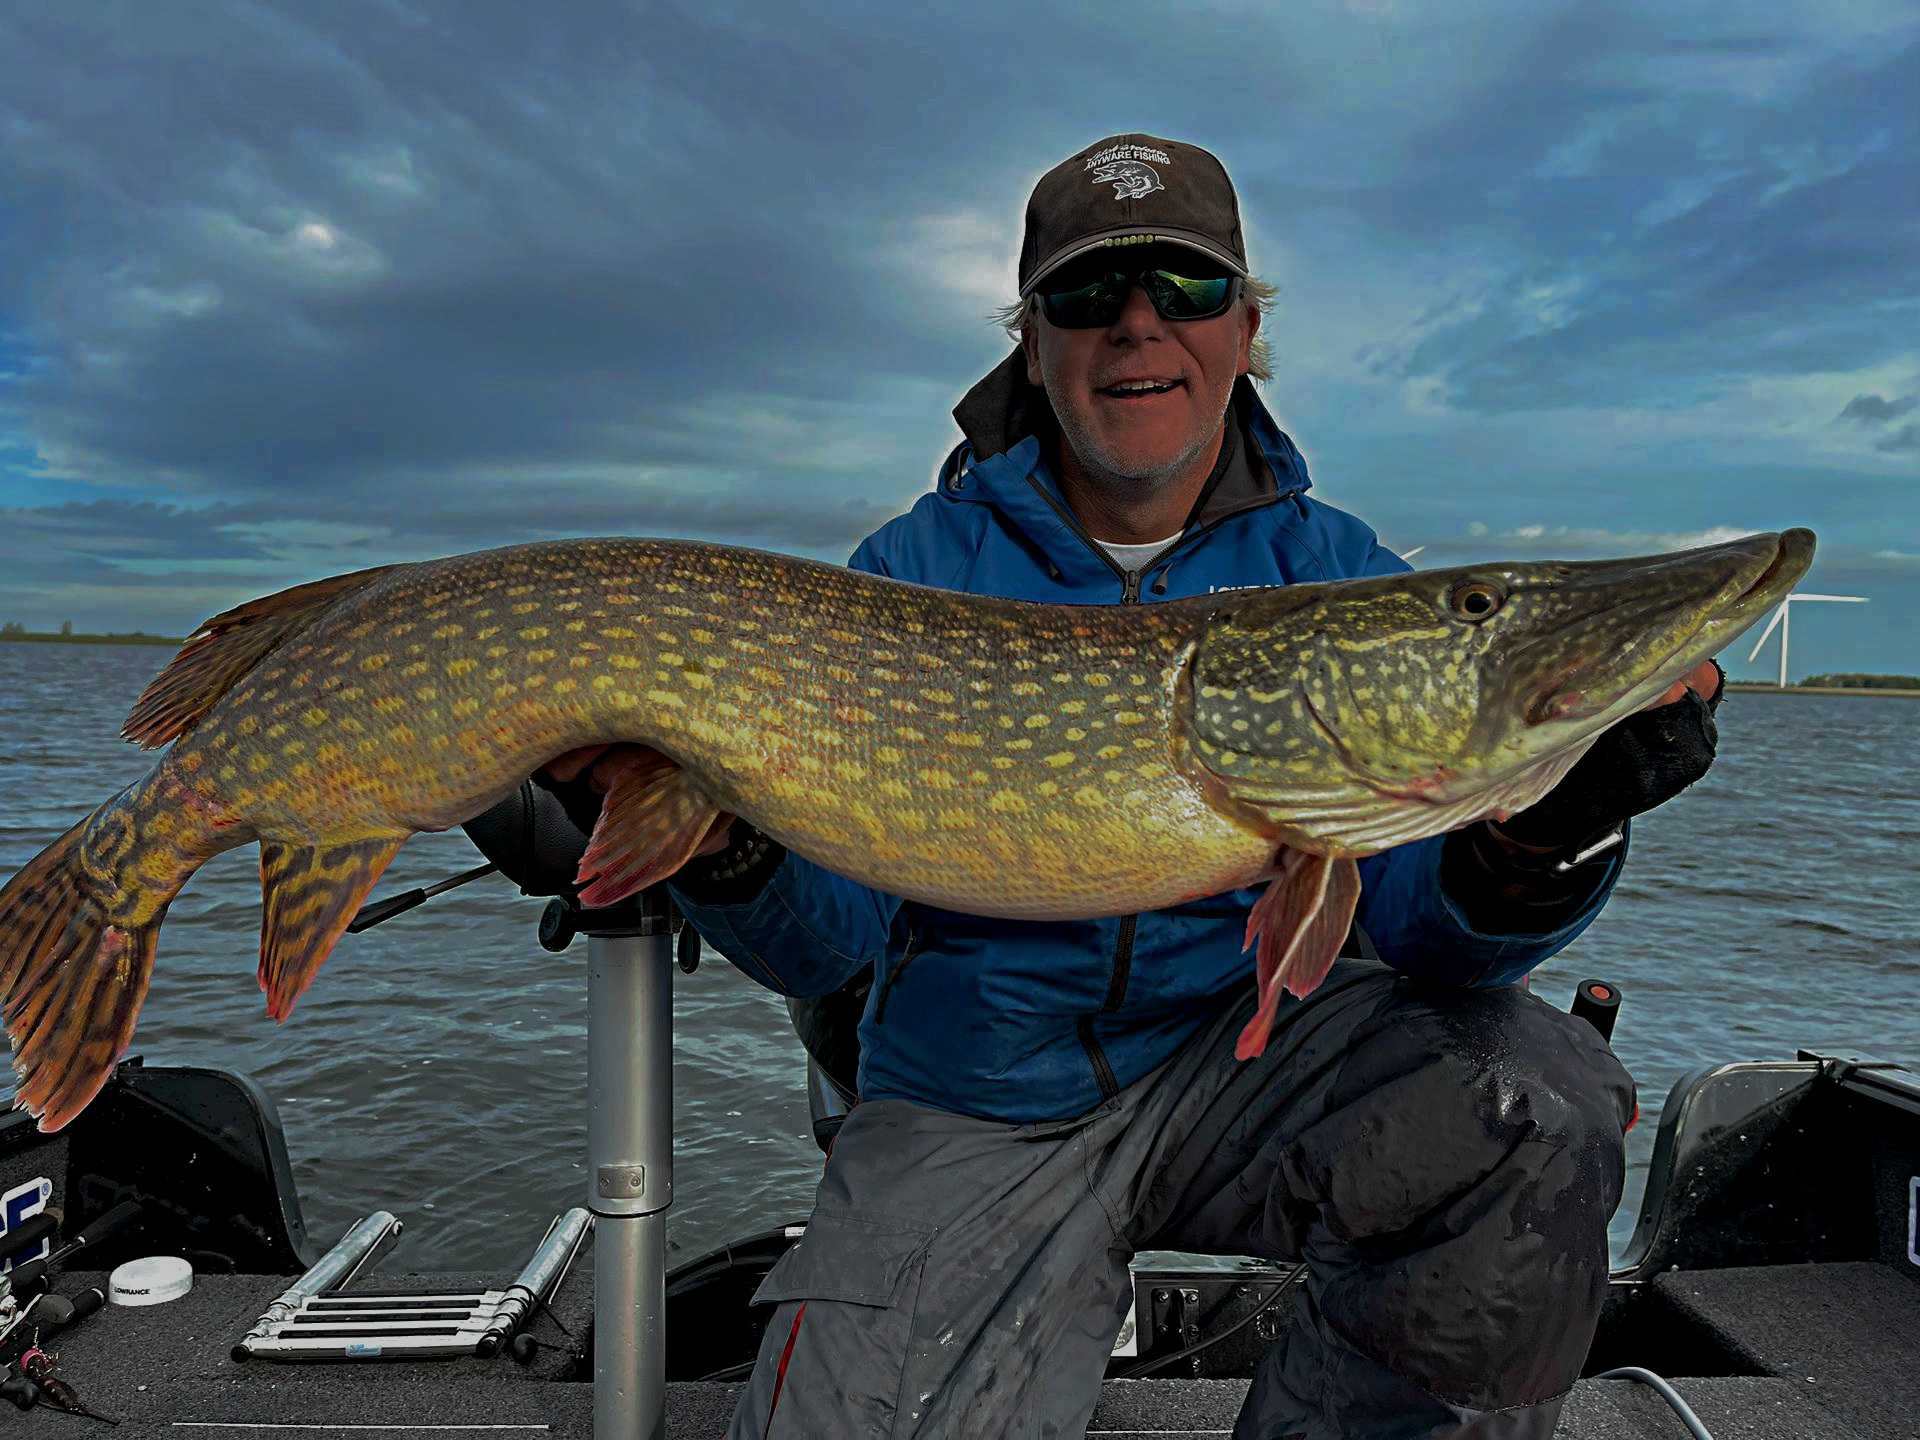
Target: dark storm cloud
[
  {"x": 1869, "y": 409},
  {"x": 1907, "y": 437},
  {"x": 333, "y": 285},
  {"x": 424, "y": 236}
]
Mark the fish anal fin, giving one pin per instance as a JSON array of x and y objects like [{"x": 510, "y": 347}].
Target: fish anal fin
[
  {"x": 225, "y": 648},
  {"x": 309, "y": 895},
  {"x": 653, "y": 818},
  {"x": 1299, "y": 921}
]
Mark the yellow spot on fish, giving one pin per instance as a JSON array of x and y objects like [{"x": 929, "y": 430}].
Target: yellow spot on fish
[
  {"x": 311, "y": 718},
  {"x": 1060, "y": 757},
  {"x": 534, "y": 632},
  {"x": 449, "y": 631},
  {"x": 373, "y": 663}
]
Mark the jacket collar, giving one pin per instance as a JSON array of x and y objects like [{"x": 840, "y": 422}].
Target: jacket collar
[{"x": 1011, "y": 431}]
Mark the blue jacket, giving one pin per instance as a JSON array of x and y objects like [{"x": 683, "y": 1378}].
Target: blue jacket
[{"x": 1021, "y": 1021}]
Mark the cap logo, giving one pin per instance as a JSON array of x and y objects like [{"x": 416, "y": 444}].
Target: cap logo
[{"x": 1125, "y": 167}]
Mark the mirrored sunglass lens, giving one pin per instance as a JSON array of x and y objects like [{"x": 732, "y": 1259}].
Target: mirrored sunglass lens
[
  {"x": 1095, "y": 303},
  {"x": 1179, "y": 298}
]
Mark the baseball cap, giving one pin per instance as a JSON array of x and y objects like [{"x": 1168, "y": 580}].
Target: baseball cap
[{"x": 1126, "y": 190}]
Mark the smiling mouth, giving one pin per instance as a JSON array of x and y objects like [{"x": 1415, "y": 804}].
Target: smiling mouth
[{"x": 1133, "y": 391}]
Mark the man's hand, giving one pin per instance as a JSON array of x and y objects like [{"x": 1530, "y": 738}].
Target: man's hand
[{"x": 1644, "y": 761}]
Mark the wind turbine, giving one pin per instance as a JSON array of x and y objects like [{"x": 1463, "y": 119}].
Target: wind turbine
[{"x": 1782, "y": 619}]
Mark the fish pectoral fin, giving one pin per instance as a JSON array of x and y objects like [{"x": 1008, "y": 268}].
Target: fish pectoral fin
[
  {"x": 1300, "y": 921},
  {"x": 225, "y": 648},
  {"x": 310, "y": 893},
  {"x": 653, "y": 818}
]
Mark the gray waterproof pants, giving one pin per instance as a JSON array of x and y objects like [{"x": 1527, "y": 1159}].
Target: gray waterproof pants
[{"x": 1444, "y": 1160}]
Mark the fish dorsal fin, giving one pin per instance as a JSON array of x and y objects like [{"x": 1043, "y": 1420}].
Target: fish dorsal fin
[
  {"x": 225, "y": 648},
  {"x": 1300, "y": 920},
  {"x": 309, "y": 894},
  {"x": 654, "y": 817}
]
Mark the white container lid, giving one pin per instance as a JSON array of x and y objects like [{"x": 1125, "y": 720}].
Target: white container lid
[{"x": 152, "y": 1281}]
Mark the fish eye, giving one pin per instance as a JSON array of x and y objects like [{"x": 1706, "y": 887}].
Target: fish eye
[{"x": 1475, "y": 600}]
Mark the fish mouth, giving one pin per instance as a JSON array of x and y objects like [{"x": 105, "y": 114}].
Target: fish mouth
[{"x": 1743, "y": 597}]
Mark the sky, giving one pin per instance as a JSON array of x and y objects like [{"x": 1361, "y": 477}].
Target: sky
[{"x": 288, "y": 289}]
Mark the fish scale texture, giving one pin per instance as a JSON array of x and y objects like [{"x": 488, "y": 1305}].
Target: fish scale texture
[{"x": 868, "y": 723}]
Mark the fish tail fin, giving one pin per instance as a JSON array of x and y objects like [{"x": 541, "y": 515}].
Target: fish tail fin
[{"x": 71, "y": 980}]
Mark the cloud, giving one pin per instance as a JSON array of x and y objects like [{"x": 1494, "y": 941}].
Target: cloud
[
  {"x": 1594, "y": 540},
  {"x": 1907, "y": 437},
  {"x": 431, "y": 277},
  {"x": 1651, "y": 233},
  {"x": 1871, "y": 408}
]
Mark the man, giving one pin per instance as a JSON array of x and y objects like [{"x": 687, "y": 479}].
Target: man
[{"x": 1039, "y": 1101}]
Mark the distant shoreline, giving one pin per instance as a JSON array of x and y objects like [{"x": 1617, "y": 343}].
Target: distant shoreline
[
  {"x": 33, "y": 638},
  {"x": 1761, "y": 687}
]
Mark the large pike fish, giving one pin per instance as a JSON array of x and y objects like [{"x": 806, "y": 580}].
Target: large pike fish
[{"x": 983, "y": 755}]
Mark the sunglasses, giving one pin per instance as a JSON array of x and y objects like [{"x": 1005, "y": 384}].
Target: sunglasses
[{"x": 1100, "y": 300}]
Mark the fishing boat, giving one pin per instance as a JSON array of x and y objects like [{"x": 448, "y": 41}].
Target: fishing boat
[{"x": 1770, "y": 1289}]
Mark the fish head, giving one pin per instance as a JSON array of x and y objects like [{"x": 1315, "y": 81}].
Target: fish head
[{"x": 1359, "y": 714}]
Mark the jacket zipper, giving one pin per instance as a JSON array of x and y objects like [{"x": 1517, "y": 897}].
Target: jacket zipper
[
  {"x": 1123, "y": 948},
  {"x": 1116, "y": 996},
  {"x": 907, "y": 956}
]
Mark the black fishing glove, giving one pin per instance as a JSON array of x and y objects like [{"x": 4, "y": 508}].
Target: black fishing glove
[
  {"x": 738, "y": 873},
  {"x": 1644, "y": 761},
  {"x": 538, "y": 834}
]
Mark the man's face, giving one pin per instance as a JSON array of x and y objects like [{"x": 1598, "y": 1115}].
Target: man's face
[{"x": 1091, "y": 376}]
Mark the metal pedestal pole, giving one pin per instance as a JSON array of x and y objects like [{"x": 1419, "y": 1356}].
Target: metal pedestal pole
[{"x": 629, "y": 1157}]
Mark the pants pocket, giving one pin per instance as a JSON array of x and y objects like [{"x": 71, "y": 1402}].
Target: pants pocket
[{"x": 836, "y": 1348}]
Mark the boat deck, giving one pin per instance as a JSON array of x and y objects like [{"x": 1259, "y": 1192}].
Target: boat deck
[{"x": 1794, "y": 1352}]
